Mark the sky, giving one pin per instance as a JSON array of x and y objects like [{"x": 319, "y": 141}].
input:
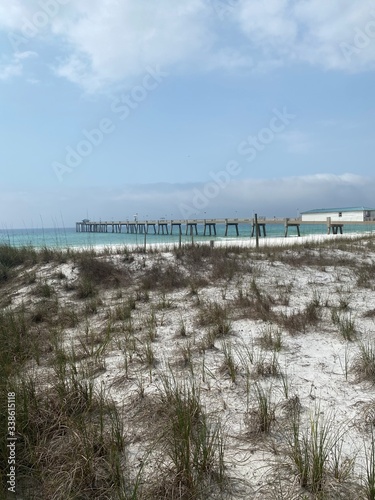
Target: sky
[{"x": 193, "y": 109}]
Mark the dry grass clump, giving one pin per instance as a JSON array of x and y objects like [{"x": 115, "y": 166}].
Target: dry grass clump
[
  {"x": 86, "y": 289},
  {"x": 91, "y": 307},
  {"x": 316, "y": 256},
  {"x": 270, "y": 337},
  {"x": 260, "y": 417},
  {"x": 229, "y": 364},
  {"x": 95, "y": 270},
  {"x": 282, "y": 293},
  {"x": 212, "y": 313},
  {"x": 43, "y": 289},
  {"x": 213, "y": 264},
  {"x": 123, "y": 311},
  {"x": 71, "y": 442},
  {"x": 11, "y": 257},
  {"x": 51, "y": 312},
  {"x": 266, "y": 366},
  {"x": 162, "y": 276},
  {"x": 369, "y": 481},
  {"x": 47, "y": 254},
  {"x": 193, "y": 255},
  {"x": 253, "y": 303},
  {"x": 196, "y": 283},
  {"x": 224, "y": 266},
  {"x": 185, "y": 355},
  {"x": 193, "y": 444},
  {"x": 299, "y": 321},
  {"x": 44, "y": 310},
  {"x": 15, "y": 339},
  {"x": 364, "y": 363},
  {"x": 25, "y": 257},
  {"x": 369, "y": 314},
  {"x": 366, "y": 275},
  {"x": 345, "y": 324},
  {"x": 215, "y": 318},
  {"x": 316, "y": 454}
]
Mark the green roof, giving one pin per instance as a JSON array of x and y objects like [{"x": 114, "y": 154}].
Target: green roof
[{"x": 344, "y": 209}]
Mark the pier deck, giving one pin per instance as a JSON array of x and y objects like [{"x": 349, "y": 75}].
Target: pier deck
[{"x": 163, "y": 227}]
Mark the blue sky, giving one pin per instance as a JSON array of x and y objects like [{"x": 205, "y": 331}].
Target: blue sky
[{"x": 199, "y": 108}]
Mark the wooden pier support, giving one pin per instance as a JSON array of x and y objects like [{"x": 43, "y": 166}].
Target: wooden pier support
[
  {"x": 335, "y": 226},
  {"x": 231, "y": 223},
  {"x": 211, "y": 226},
  {"x": 192, "y": 226},
  {"x": 163, "y": 226},
  {"x": 178, "y": 224},
  {"x": 261, "y": 226},
  {"x": 151, "y": 224},
  {"x": 291, "y": 224}
]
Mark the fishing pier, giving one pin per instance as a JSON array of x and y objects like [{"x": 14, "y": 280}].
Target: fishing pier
[
  {"x": 205, "y": 227},
  {"x": 208, "y": 227}
]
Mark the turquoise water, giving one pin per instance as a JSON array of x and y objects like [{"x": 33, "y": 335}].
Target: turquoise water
[{"x": 69, "y": 238}]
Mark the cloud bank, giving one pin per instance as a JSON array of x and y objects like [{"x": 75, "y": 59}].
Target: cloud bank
[{"x": 280, "y": 197}]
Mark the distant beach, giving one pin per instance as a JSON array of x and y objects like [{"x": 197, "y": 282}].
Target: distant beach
[{"x": 69, "y": 238}]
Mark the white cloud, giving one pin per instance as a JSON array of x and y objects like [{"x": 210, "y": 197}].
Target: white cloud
[
  {"x": 13, "y": 66},
  {"x": 8, "y": 71},
  {"x": 230, "y": 58},
  {"x": 13, "y": 13},
  {"x": 313, "y": 31},
  {"x": 113, "y": 41},
  {"x": 267, "y": 22},
  {"x": 339, "y": 124},
  {"x": 296, "y": 141},
  {"x": 20, "y": 56},
  {"x": 107, "y": 41}
]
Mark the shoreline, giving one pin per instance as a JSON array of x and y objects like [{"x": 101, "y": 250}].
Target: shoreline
[
  {"x": 66, "y": 238},
  {"x": 223, "y": 242}
]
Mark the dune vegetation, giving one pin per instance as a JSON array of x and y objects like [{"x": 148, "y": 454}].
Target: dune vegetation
[{"x": 190, "y": 373}]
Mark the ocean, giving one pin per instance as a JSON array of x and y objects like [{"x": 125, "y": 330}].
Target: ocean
[{"x": 69, "y": 238}]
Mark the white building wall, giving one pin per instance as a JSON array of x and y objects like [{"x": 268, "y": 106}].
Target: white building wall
[{"x": 354, "y": 216}]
